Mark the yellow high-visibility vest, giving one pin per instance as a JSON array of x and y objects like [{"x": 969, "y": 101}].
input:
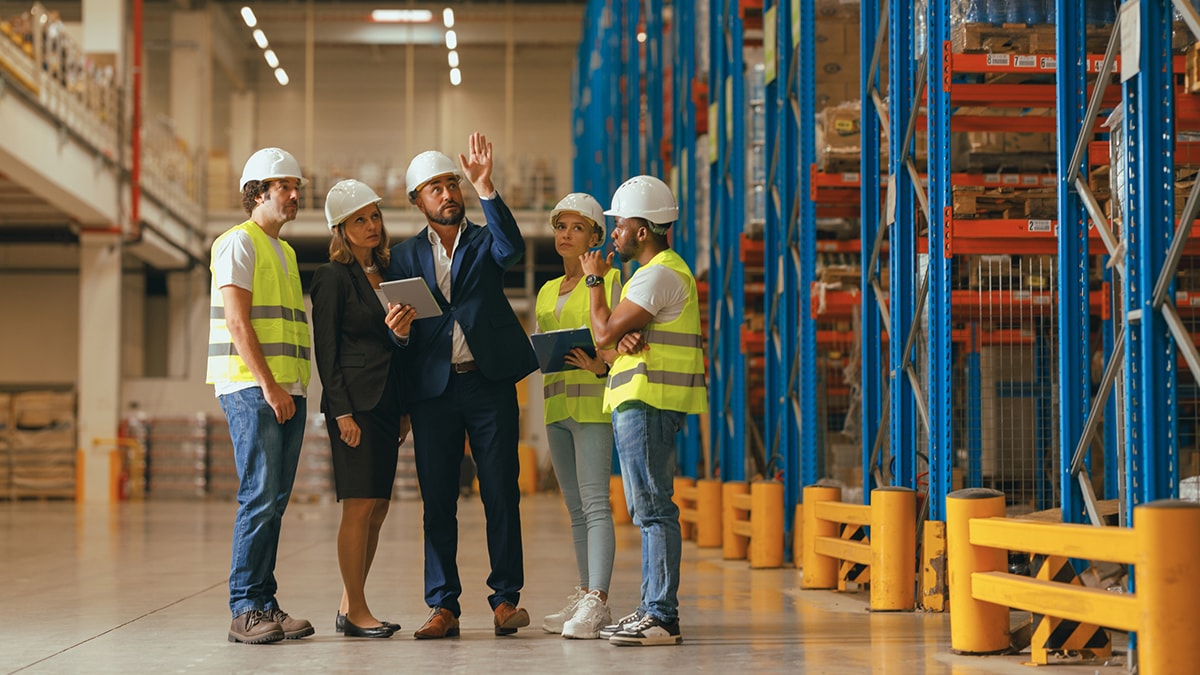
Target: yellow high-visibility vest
[
  {"x": 670, "y": 374},
  {"x": 276, "y": 314},
  {"x": 578, "y": 394}
]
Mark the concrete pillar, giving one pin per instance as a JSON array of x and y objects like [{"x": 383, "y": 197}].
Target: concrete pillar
[
  {"x": 104, "y": 31},
  {"x": 99, "y": 355},
  {"x": 187, "y": 291},
  {"x": 191, "y": 78}
]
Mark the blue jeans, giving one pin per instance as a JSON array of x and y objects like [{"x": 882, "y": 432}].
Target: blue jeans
[
  {"x": 266, "y": 454},
  {"x": 645, "y": 438},
  {"x": 582, "y": 457}
]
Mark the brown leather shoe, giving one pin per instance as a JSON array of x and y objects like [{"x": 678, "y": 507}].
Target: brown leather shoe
[
  {"x": 255, "y": 628},
  {"x": 509, "y": 618},
  {"x": 293, "y": 628},
  {"x": 441, "y": 624}
]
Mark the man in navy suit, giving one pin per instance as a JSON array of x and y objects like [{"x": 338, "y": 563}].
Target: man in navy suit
[{"x": 464, "y": 366}]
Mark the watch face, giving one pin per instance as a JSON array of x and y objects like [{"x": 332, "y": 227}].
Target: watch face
[{"x": 593, "y": 280}]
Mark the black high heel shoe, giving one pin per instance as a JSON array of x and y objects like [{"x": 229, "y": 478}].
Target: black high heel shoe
[{"x": 384, "y": 630}]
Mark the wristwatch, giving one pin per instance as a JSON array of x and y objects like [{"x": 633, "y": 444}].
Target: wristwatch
[{"x": 593, "y": 280}]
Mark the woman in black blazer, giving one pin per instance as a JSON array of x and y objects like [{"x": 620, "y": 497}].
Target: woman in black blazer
[{"x": 362, "y": 381}]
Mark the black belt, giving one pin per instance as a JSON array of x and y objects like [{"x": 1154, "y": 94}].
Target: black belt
[{"x": 464, "y": 367}]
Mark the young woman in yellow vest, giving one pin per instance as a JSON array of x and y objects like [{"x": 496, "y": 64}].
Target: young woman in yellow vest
[{"x": 577, "y": 428}]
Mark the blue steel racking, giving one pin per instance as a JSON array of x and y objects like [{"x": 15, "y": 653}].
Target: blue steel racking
[
  {"x": 727, "y": 169},
  {"x": 789, "y": 97}
]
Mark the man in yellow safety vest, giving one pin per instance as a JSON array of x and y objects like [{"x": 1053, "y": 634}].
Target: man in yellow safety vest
[
  {"x": 656, "y": 380},
  {"x": 258, "y": 362}
]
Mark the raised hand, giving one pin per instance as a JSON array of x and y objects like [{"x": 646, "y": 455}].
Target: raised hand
[
  {"x": 477, "y": 164},
  {"x": 595, "y": 262}
]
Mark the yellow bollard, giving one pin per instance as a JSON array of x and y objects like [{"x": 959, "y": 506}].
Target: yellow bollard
[
  {"x": 681, "y": 484},
  {"x": 976, "y": 627},
  {"x": 893, "y": 549},
  {"x": 933, "y": 567},
  {"x": 528, "y": 476},
  {"x": 616, "y": 499},
  {"x": 733, "y": 547},
  {"x": 798, "y": 536},
  {"x": 819, "y": 571},
  {"x": 708, "y": 507},
  {"x": 1166, "y": 576},
  {"x": 766, "y": 524}
]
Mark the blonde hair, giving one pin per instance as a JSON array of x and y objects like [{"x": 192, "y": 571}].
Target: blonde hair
[{"x": 340, "y": 251}]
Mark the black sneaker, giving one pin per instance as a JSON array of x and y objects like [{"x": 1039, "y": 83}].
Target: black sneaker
[
  {"x": 647, "y": 632},
  {"x": 612, "y": 628}
]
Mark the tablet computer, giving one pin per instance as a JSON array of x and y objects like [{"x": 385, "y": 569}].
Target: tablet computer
[{"x": 413, "y": 292}]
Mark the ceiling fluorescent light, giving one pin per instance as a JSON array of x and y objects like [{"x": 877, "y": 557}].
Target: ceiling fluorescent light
[
  {"x": 401, "y": 15},
  {"x": 281, "y": 75},
  {"x": 453, "y": 59},
  {"x": 248, "y": 17},
  {"x": 451, "y": 40},
  {"x": 272, "y": 60},
  {"x": 448, "y": 17},
  {"x": 455, "y": 76},
  {"x": 261, "y": 38}
]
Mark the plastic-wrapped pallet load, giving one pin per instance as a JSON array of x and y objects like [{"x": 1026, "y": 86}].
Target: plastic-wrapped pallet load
[
  {"x": 43, "y": 444},
  {"x": 5, "y": 428}
]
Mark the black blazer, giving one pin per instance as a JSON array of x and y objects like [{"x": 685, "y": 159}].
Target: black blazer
[
  {"x": 498, "y": 342},
  {"x": 354, "y": 351}
]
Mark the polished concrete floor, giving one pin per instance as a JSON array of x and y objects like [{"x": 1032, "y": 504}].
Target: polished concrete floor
[{"x": 141, "y": 587}]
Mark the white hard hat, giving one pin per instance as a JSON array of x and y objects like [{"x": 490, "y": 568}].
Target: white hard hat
[
  {"x": 583, "y": 204},
  {"x": 427, "y": 166},
  {"x": 346, "y": 197},
  {"x": 645, "y": 197},
  {"x": 271, "y": 164}
]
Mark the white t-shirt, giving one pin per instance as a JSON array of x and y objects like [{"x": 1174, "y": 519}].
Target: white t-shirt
[
  {"x": 660, "y": 290},
  {"x": 233, "y": 265}
]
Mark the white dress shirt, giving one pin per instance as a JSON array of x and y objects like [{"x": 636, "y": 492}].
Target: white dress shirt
[{"x": 443, "y": 263}]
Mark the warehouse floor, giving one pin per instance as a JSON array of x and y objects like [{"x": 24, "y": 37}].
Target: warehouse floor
[{"x": 141, "y": 587}]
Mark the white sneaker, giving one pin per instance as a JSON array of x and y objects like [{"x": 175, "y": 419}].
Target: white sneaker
[
  {"x": 590, "y": 616},
  {"x": 553, "y": 623}
]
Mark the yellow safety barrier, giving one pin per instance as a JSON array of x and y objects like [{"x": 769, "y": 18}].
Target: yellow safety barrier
[
  {"x": 1161, "y": 545},
  {"x": 836, "y": 550},
  {"x": 752, "y": 522},
  {"x": 527, "y": 477},
  {"x": 699, "y": 503},
  {"x": 125, "y": 472}
]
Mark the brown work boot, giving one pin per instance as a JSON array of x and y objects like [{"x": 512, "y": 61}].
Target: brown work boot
[
  {"x": 441, "y": 624},
  {"x": 255, "y": 628},
  {"x": 509, "y": 618},
  {"x": 293, "y": 629}
]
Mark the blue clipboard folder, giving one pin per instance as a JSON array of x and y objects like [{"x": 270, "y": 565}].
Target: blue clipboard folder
[{"x": 552, "y": 347}]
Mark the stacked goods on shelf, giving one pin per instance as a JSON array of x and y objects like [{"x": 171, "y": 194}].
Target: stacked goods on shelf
[
  {"x": 5, "y": 428},
  {"x": 42, "y": 444},
  {"x": 222, "y": 468},
  {"x": 837, "y": 70},
  {"x": 176, "y": 451}
]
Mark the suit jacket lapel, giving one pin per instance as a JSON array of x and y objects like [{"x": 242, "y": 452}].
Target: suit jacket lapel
[
  {"x": 461, "y": 252},
  {"x": 366, "y": 292}
]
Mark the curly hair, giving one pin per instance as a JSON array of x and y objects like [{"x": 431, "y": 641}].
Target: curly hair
[
  {"x": 250, "y": 193},
  {"x": 340, "y": 251}
]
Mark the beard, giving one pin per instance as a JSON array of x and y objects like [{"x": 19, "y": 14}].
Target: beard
[
  {"x": 452, "y": 214},
  {"x": 625, "y": 254}
]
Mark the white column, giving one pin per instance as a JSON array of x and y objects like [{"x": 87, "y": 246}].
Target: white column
[
  {"x": 99, "y": 354},
  {"x": 191, "y": 77},
  {"x": 104, "y": 31},
  {"x": 187, "y": 333}
]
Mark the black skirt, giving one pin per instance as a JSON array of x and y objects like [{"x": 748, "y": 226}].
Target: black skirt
[{"x": 368, "y": 471}]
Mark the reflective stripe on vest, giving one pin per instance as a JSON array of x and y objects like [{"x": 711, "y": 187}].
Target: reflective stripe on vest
[
  {"x": 277, "y": 317},
  {"x": 577, "y": 394},
  {"x": 670, "y": 374}
]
